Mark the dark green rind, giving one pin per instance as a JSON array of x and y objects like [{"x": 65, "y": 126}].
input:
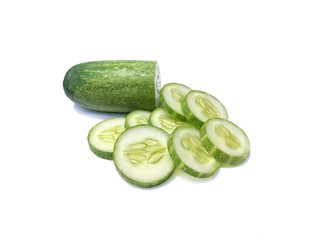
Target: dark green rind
[
  {"x": 180, "y": 164},
  {"x": 136, "y": 182},
  {"x": 101, "y": 154},
  {"x": 168, "y": 108},
  {"x": 225, "y": 159},
  {"x": 112, "y": 86},
  {"x": 188, "y": 113}
]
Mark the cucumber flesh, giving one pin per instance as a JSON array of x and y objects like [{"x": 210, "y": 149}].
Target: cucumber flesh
[
  {"x": 225, "y": 141},
  {"x": 141, "y": 156},
  {"x": 188, "y": 154},
  {"x": 171, "y": 96},
  {"x": 137, "y": 117},
  {"x": 162, "y": 119},
  {"x": 102, "y": 137},
  {"x": 200, "y": 106}
]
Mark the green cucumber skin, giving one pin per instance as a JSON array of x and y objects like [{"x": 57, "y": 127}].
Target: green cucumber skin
[
  {"x": 225, "y": 159},
  {"x": 101, "y": 154},
  {"x": 189, "y": 115},
  {"x": 138, "y": 183},
  {"x": 126, "y": 125},
  {"x": 112, "y": 86},
  {"x": 177, "y": 161},
  {"x": 168, "y": 108}
]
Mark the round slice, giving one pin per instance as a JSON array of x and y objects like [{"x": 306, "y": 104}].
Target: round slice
[
  {"x": 137, "y": 117},
  {"x": 171, "y": 96},
  {"x": 200, "y": 106},
  {"x": 162, "y": 119},
  {"x": 225, "y": 141},
  {"x": 188, "y": 154},
  {"x": 141, "y": 156},
  {"x": 102, "y": 136}
]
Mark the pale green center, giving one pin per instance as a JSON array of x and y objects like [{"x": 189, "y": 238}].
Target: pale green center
[
  {"x": 111, "y": 134},
  {"x": 176, "y": 94},
  {"x": 170, "y": 123},
  {"x": 231, "y": 140},
  {"x": 148, "y": 151},
  {"x": 193, "y": 144},
  {"x": 141, "y": 120},
  {"x": 208, "y": 109}
]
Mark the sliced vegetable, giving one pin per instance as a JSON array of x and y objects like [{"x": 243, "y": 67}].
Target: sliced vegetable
[
  {"x": 200, "y": 106},
  {"x": 171, "y": 96},
  {"x": 162, "y": 119},
  {"x": 137, "y": 117},
  {"x": 102, "y": 137},
  {"x": 188, "y": 154},
  {"x": 225, "y": 141},
  {"x": 141, "y": 156}
]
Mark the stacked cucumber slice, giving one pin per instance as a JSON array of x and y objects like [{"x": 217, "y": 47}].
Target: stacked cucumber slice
[
  {"x": 162, "y": 119},
  {"x": 188, "y": 153},
  {"x": 225, "y": 141},
  {"x": 199, "y": 106},
  {"x": 191, "y": 131},
  {"x": 102, "y": 137},
  {"x": 137, "y": 117},
  {"x": 141, "y": 156},
  {"x": 171, "y": 96}
]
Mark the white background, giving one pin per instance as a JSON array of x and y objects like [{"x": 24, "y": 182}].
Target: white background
[{"x": 259, "y": 58}]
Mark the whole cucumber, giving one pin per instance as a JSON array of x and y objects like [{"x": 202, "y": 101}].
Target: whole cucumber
[{"x": 114, "y": 86}]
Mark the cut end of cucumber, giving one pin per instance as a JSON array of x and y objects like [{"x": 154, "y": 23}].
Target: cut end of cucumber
[
  {"x": 225, "y": 141},
  {"x": 141, "y": 156},
  {"x": 188, "y": 153},
  {"x": 157, "y": 85},
  {"x": 102, "y": 137}
]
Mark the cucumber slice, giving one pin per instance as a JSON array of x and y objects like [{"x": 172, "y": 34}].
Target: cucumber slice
[
  {"x": 102, "y": 137},
  {"x": 171, "y": 96},
  {"x": 200, "y": 106},
  {"x": 141, "y": 156},
  {"x": 137, "y": 117},
  {"x": 225, "y": 141},
  {"x": 162, "y": 119},
  {"x": 188, "y": 154}
]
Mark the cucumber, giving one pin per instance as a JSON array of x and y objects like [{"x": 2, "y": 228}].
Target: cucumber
[
  {"x": 102, "y": 137},
  {"x": 137, "y": 117},
  {"x": 114, "y": 86},
  {"x": 188, "y": 154},
  {"x": 141, "y": 156},
  {"x": 200, "y": 106},
  {"x": 225, "y": 141},
  {"x": 171, "y": 96},
  {"x": 162, "y": 119}
]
